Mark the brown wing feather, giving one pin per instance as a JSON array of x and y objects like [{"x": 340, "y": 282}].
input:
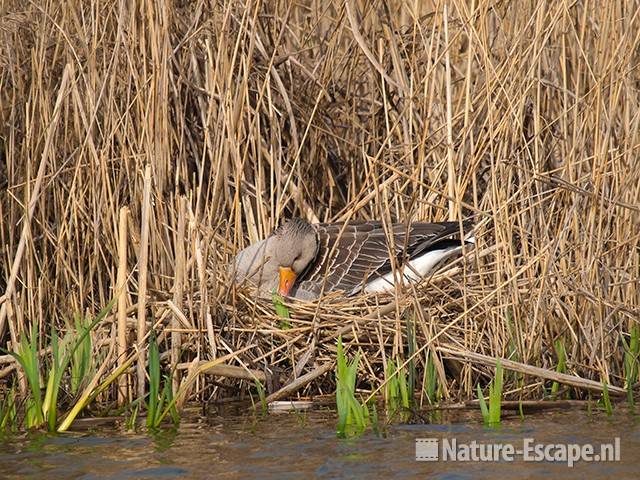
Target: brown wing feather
[{"x": 350, "y": 255}]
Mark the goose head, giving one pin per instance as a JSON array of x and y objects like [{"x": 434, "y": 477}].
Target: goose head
[{"x": 292, "y": 248}]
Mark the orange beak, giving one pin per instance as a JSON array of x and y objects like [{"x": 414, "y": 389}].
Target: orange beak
[{"x": 287, "y": 277}]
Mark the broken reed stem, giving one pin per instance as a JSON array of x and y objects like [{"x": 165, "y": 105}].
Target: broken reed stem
[
  {"x": 563, "y": 378},
  {"x": 142, "y": 280},
  {"x": 123, "y": 391},
  {"x": 228, "y": 371},
  {"x": 300, "y": 382},
  {"x": 178, "y": 291}
]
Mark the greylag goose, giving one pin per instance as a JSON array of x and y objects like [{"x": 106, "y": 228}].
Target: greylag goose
[{"x": 301, "y": 260}]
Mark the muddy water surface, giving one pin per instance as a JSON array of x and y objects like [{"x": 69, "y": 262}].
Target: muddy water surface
[{"x": 294, "y": 445}]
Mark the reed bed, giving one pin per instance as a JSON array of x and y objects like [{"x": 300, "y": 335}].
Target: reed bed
[{"x": 142, "y": 144}]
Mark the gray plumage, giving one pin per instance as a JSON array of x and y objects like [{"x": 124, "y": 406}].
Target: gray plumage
[{"x": 338, "y": 256}]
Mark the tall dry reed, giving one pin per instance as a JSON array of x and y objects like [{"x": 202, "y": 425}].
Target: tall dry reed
[{"x": 523, "y": 114}]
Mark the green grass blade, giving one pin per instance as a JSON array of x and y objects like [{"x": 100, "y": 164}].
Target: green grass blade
[
  {"x": 175, "y": 416},
  {"x": 352, "y": 415},
  {"x": 8, "y": 411},
  {"x": 81, "y": 358},
  {"x": 403, "y": 386},
  {"x": 606, "y": 400},
  {"x": 27, "y": 358},
  {"x": 562, "y": 364},
  {"x": 411, "y": 350},
  {"x": 282, "y": 311},
  {"x": 375, "y": 421},
  {"x": 495, "y": 395},
  {"x": 630, "y": 361},
  {"x": 431, "y": 380},
  {"x": 483, "y": 405},
  {"x": 154, "y": 381},
  {"x": 262, "y": 397},
  {"x": 49, "y": 406},
  {"x": 391, "y": 389}
]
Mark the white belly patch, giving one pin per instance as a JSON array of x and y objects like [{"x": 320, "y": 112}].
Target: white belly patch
[{"x": 416, "y": 269}]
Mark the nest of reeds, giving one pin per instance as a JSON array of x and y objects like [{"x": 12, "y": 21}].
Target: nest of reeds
[{"x": 380, "y": 326}]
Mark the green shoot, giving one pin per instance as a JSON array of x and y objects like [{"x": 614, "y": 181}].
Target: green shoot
[
  {"x": 281, "y": 310},
  {"x": 28, "y": 358},
  {"x": 81, "y": 359},
  {"x": 631, "y": 352},
  {"x": 411, "y": 350},
  {"x": 562, "y": 364},
  {"x": 396, "y": 389},
  {"x": 352, "y": 415},
  {"x": 491, "y": 413},
  {"x": 158, "y": 398},
  {"x": 495, "y": 396},
  {"x": 8, "y": 411},
  {"x": 262, "y": 397},
  {"x": 154, "y": 382},
  {"x": 56, "y": 371},
  {"x": 375, "y": 422},
  {"x": 606, "y": 401},
  {"x": 430, "y": 380},
  {"x": 483, "y": 405},
  {"x": 39, "y": 410},
  {"x": 402, "y": 382},
  {"x": 391, "y": 390},
  {"x": 130, "y": 422}
]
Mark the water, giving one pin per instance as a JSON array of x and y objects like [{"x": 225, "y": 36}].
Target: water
[{"x": 293, "y": 445}]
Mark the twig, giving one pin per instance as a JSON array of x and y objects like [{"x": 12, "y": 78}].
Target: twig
[
  {"x": 300, "y": 382},
  {"x": 229, "y": 371},
  {"x": 563, "y": 378}
]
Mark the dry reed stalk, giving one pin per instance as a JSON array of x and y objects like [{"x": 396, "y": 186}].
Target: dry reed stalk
[
  {"x": 178, "y": 293},
  {"x": 32, "y": 202},
  {"x": 143, "y": 256},
  {"x": 451, "y": 170},
  {"x": 121, "y": 292}
]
